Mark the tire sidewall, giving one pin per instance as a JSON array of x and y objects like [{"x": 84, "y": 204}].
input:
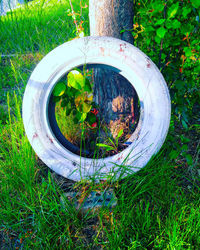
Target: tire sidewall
[{"x": 136, "y": 67}]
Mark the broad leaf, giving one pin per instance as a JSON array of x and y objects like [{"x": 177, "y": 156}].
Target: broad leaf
[
  {"x": 160, "y": 22},
  {"x": 86, "y": 107},
  {"x": 173, "y": 10},
  {"x": 83, "y": 102},
  {"x": 89, "y": 98},
  {"x": 184, "y": 124},
  {"x": 188, "y": 51},
  {"x": 75, "y": 79},
  {"x": 59, "y": 89},
  {"x": 158, "y": 6},
  {"x": 176, "y": 24},
  {"x": 161, "y": 32},
  {"x": 157, "y": 39},
  {"x": 75, "y": 120},
  {"x": 195, "y": 3},
  {"x": 186, "y": 11}
]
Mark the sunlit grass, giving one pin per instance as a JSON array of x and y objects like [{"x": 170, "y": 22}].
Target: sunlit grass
[{"x": 154, "y": 207}]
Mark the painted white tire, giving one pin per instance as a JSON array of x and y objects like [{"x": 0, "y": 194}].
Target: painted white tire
[{"x": 136, "y": 67}]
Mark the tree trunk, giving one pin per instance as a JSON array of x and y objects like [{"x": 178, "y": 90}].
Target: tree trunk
[{"x": 114, "y": 94}]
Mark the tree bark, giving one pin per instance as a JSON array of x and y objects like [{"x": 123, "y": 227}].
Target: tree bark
[{"x": 114, "y": 94}]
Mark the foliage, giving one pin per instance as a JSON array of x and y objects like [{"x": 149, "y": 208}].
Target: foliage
[
  {"x": 155, "y": 209},
  {"x": 76, "y": 97},
  {"x": 112, "y": 145},
  {"x": 168, "y": 32}
]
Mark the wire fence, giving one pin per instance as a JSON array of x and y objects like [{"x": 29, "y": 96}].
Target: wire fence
[
  {"x": 30, "y": 30},
  {"x": 40, "y": 25}
]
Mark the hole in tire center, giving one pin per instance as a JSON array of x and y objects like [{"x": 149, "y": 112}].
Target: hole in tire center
[{"x": 93, "y": 111}]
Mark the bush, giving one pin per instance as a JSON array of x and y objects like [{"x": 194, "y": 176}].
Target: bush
[{"x": 168, "y": 31}]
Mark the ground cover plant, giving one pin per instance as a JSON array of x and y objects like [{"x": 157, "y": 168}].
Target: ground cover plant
[{"x": 159, "y": 206}]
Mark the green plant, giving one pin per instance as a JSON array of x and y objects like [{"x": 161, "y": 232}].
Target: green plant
[
  {"x": 76, "y": 97},
  {"x": 114, "y": 145},
  {"x": 168, "y": 31}
]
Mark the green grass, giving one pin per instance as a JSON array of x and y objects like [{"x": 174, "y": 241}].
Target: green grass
[
  {"x": 158, "y": 207},
  {"x": 27, "y": 34}
]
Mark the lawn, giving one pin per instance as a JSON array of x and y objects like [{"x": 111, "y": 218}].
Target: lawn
[{"x": 157, "y": 208}]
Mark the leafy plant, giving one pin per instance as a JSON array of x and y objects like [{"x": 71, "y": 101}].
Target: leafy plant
[
  {"x": 113, "y": 145},
  {"x": 76, "y": 97},
  {"x": 170, "y": 36}
]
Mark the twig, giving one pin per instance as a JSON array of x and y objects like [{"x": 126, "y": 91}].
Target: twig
[{"x": 73, "y": 13}]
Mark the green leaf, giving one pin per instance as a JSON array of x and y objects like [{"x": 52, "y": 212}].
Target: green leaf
[
  {"x": 189, "y": 159},
  {"x": 188, "y": 51},
  {"x": 161, "y": 32},
  {"x": 186, "y": 11},
  {"x": 169, "y": 24},
  {"x": 157, "y": 39},
  {"x": 64, "y": 102},
  {"x": 174, "y": 154},
  {"x": 176, "y": 24},
  {"x": 59, "y": 89},
  {"x": 91, "y": 118},
  {"x": 120, "y": 133},
  {"x": 195, "y": 3},
  {"x": 184, "y": 148},
  {"x": 87, "y": 86},
  {"x": 76, "y": 80},
  {"x": 157, "y": 6},
  {"x": 187, "y": 28},
  {"x": 111, "y": 141},
  {"x": 81, "y": 116},
  {"x": 160, "y": 22},
  {"x": 86, "y": 107},
  {"x": 108, "y": 148},
  {"x": 173, "y": 10}
]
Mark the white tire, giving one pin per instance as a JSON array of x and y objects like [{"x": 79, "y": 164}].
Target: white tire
[{"x": 136, "y": 67}]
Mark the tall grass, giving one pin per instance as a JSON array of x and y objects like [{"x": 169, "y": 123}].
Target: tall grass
[
  {"x": 28, "y": 33},
  {"x": 154, "y": 208},
  {"x": 38, "y": 26}
]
